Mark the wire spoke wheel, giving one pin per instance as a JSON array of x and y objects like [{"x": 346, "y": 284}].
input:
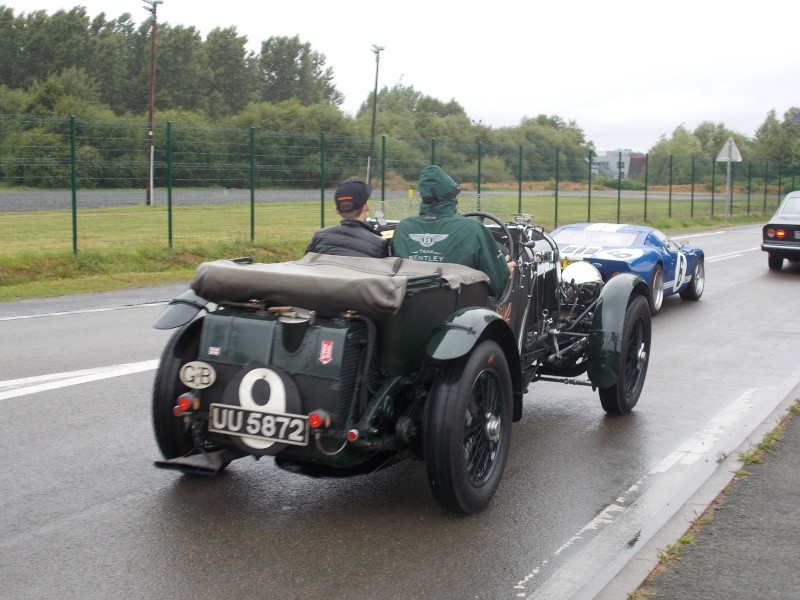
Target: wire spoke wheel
[
  {"x": 621, "y": 397},
  {"x": 467, "y": 430},
  {"x": 482, "y": 427},
  {"x": 636, "y": 359}
]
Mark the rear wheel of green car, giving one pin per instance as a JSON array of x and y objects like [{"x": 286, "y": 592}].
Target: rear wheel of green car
[
  {"x": 467, "y": 430},
  {"x": 172, "y": 433}
]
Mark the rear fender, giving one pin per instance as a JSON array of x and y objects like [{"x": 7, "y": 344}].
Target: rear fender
[
  {"x": 462, "y": 331},
  {"x": 180, "y": 310},
  {"x": 605, "y": 339}
]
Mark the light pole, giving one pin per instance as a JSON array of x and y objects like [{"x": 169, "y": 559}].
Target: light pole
[
  {"x": 377, "y": 50},
  {"x": 154, "y": 26}
]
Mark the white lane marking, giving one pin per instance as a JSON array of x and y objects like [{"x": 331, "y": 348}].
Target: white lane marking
[
  {"x": 736, "y": 254},
  {"x": 624, "y": 520},
  {"x": 79, "y": 312},
  {"x": 53, "y": 381},
  {"x": 694, "y": 235},
  {"x": 702, "y": 442}
]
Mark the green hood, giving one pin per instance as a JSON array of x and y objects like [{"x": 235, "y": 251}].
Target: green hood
[{"x": 437, "y": 186}]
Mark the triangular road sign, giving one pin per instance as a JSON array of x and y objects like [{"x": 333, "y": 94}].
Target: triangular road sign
[{"x": 729, "y": 152}]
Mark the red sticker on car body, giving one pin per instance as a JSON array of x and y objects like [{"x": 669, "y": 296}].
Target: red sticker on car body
[{"x": 326, "y": 352}]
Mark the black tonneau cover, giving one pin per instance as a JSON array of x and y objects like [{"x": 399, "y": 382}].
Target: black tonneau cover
[{"x": 327, "y": 284}]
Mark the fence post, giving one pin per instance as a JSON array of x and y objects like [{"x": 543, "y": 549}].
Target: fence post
[
  {"x": 589, "y": 198},
  {"x": 169, "y": 184},
  {"x": 646, "y": 181},
  {"x": 766, "y": 184},
  {"x": 480, "y": 152},
  {"x": 322, "y": 179},
  {"x": 73, "y": 184},
  {"x": 519, "y": 177},
  {"x": 691, "y": 205},
  {"x": 383, "y": 170},
  {"x": 619, "y": 187},
  {"x": 555, "y": 217},
  {"x": 252, "y": 184},
  {"x": 713, "y": 184},
  {"x": 749, "y": 183},
  {"x": 669, "y": 212}
]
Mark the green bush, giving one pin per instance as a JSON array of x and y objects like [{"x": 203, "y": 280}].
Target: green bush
[{"x": 617, "y": 184}]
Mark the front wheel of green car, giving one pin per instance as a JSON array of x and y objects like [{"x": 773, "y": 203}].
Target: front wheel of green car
[{"x": 621, "y": 397}]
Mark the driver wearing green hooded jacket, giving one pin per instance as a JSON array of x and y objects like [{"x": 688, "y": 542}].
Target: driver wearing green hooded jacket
[{"x": 438, "y": 234}]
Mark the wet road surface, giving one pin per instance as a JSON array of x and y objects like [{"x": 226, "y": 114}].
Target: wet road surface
[{"x": 86, "y": 515}]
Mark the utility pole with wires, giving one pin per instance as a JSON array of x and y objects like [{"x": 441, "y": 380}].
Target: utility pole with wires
[{"x": 153, "y": 5}]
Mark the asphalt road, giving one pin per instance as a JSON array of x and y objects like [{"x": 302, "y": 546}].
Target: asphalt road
[
  {"x": 12, "y": 200},
  {"x": 84, "y": 514}
]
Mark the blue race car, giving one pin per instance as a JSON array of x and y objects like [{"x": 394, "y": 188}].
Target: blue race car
[{"x": 612, "y": 248}]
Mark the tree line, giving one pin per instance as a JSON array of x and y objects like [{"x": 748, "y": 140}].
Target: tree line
[{"x": 96, "y": 68}]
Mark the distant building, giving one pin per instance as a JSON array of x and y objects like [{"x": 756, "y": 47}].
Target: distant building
[{"x": 610, "y": 164}]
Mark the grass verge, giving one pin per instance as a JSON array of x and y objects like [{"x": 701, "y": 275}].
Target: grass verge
[
  {"x": 28, "y": 271},
  {"x": 57, "y": 274}
]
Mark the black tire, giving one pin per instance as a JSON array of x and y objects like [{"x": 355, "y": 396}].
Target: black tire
[
  {"x": 171, "y": 433},
  {"x": 621, "y": 397},
  {"x": 775, "y": 262},
  {"x": 697, "y": 283},
  {"x": 656, "y": 298},
  {"x": 467, "y": 430}
]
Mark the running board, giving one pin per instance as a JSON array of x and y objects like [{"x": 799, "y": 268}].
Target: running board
[{"x": 208, "y": 463}]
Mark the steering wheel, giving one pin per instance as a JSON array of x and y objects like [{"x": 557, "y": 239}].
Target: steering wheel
[{"x": 506, "y": 232}]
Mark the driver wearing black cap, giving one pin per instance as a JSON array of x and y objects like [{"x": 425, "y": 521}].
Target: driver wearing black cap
[{"x": 353, "y": 236}]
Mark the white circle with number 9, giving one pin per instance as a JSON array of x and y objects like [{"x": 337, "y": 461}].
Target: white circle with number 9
[{"x": 275, "y": 404}]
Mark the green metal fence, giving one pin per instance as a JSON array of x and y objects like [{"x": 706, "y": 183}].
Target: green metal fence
[{"x": 76, "y": 184}]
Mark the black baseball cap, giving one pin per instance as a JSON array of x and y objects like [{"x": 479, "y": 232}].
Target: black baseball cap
[{"x": 352, "y": 194}]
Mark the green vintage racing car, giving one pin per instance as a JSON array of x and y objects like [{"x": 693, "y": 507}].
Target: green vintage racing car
[{"x": 339, "y": 366}]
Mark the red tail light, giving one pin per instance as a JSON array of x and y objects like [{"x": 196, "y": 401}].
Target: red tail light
[
  {"x": 184, "y": 404},
  {"x": 319, "y": 418}
]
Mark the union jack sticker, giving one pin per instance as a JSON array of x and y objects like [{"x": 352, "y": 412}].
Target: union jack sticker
[
  {"x": 214, "y": 350},
  {"x": 505, "y": 312}
]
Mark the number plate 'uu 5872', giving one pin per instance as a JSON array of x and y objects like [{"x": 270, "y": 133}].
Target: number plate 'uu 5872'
[{"x": 283, "y": 428}]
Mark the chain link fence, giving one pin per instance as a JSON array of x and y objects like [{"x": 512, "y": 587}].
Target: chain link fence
[{"x": 72, "y": 184}]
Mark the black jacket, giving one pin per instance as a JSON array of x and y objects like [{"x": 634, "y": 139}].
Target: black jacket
[{"x": 349, "y": 238}]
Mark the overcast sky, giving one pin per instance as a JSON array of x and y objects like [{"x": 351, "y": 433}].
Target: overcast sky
[{"x": 625, "y": 72}]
